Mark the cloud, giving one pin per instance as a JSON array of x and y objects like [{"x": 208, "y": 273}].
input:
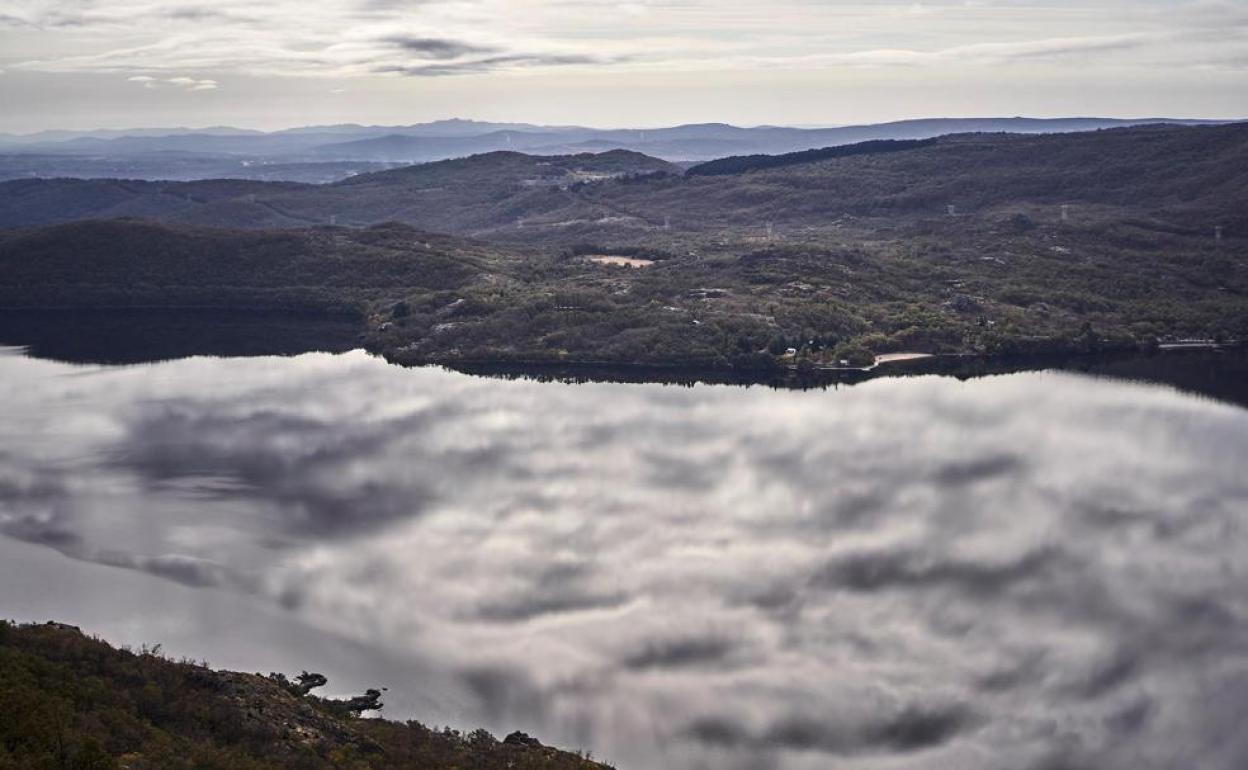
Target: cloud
[
  {"x": 681, "y": 653},
  {"x": 488, "y": 64},
  {"x": 181, "y": 83},
  {"x": 53, "y": 531},
  {"x": 191, "y": 84},
  {"x": 205, "y": 14},
  {"x": 502, "y": 692},
  {"x": 556, "y": 589},
  {"x": 292, "y": 469},
  {"x": 1034, "y": 570},
  {"x": 436, "y": 48},
  {"x": 335, "y": 39},
  {"x": 955, "y": 474},
  {"x": 916, "y": 570},
  {"x": 910, "y": 729},
  {"x": 981, "y": 53},
  {"x": 180, "y": 568},
  {"x": 341, "y": 38},
  {"x": 522, "y": 608},
  {"x": 35, "y": 505}
]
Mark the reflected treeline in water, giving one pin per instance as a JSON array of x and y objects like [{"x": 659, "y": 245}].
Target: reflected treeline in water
[
  {"x": 147, "y": 336},
  {"x": 1034, "y": 570},
  {"x": 1220, "y": 373},
  {"x": 127, "y": 337}
]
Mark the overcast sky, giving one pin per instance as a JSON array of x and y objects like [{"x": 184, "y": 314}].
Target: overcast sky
[{"x": 117, "y": 63}]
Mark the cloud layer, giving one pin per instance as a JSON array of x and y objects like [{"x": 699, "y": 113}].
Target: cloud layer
[
  {"x": 182, "y": 82},
  {"x": 441, "y": 37},
  {"x": 66, "y": 64},
  {"x": 1038, "y": 571}
]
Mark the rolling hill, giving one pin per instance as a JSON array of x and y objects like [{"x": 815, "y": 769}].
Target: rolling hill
[
  {"x": 134, "y": 264},
  {"x": 456, "y": 196},
  {"x": 1194, "y": 176},
  {"x": 979, "y": 242}
]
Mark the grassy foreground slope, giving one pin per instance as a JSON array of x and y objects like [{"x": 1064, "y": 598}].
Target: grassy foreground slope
[{"x": 70, "y": 701}]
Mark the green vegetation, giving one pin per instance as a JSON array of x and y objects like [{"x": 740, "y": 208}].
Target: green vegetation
[
  {"x": 740, "y": 164},
  {"x": 466, "y": 196},
  {"x": 1066, "y": 243},
  {"x": 133, "y": 264},
  {"x": 70, "y": 702}
]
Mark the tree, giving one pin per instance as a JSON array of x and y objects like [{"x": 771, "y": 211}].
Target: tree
[
  {"x": 369, "y": 701},
  {"x": 306, "y": 683},
  {"x": 854, "y": 355}
]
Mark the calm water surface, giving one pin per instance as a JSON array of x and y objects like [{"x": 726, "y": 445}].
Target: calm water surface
[{"x": 1038, "y": 570}]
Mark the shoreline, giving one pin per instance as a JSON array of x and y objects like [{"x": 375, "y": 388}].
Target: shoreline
[
  {"x": 133, "y": 335},
  {"x": 959, "y": 365}
]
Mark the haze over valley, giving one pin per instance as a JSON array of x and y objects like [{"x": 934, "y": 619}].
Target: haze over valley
[{"x": 327, "y": 153}]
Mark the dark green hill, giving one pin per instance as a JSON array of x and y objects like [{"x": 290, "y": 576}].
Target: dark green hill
[
  {"x": 465, "y": 196},
  {"x": 1193, "y": 176},
  {"x": 740, "y": 164},
  {"x": 28, "y": 202},
  {"x": 72, "y": 701},
  {"x": 471, "y": 196},
  {"x": 826, "y": 256},
  {"x": 121, "y": 263},
  {"x": 1010, "y": 281}
]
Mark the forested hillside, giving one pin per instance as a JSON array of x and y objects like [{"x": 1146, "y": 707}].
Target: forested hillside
[
  {"x": 1192, "y": 176},
  {"x": 131, "y": 264},
  {"x": 740, "y": 164},
  {"x": 1007, "y": 283},
  {"x": 974, "y": 243},
  {"x": 460, "y": 196},
  {"x": 28, "y": 202}
]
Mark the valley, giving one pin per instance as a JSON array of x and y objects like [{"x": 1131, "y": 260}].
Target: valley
[{"x": 978, "y": 243}]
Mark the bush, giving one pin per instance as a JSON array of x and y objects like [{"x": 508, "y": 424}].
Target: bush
[{"x": 854, "y": 354}]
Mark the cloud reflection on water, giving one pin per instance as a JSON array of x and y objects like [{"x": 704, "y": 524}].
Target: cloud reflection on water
[{"x": 1039, "y": 570}]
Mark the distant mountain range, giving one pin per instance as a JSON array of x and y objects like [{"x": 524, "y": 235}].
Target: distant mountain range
[
  {"x": 526, "y": 196},
  {"x": 445, "y": 139}
]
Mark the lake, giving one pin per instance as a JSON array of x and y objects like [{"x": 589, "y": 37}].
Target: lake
[{"x": 1036, "y": 570}]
